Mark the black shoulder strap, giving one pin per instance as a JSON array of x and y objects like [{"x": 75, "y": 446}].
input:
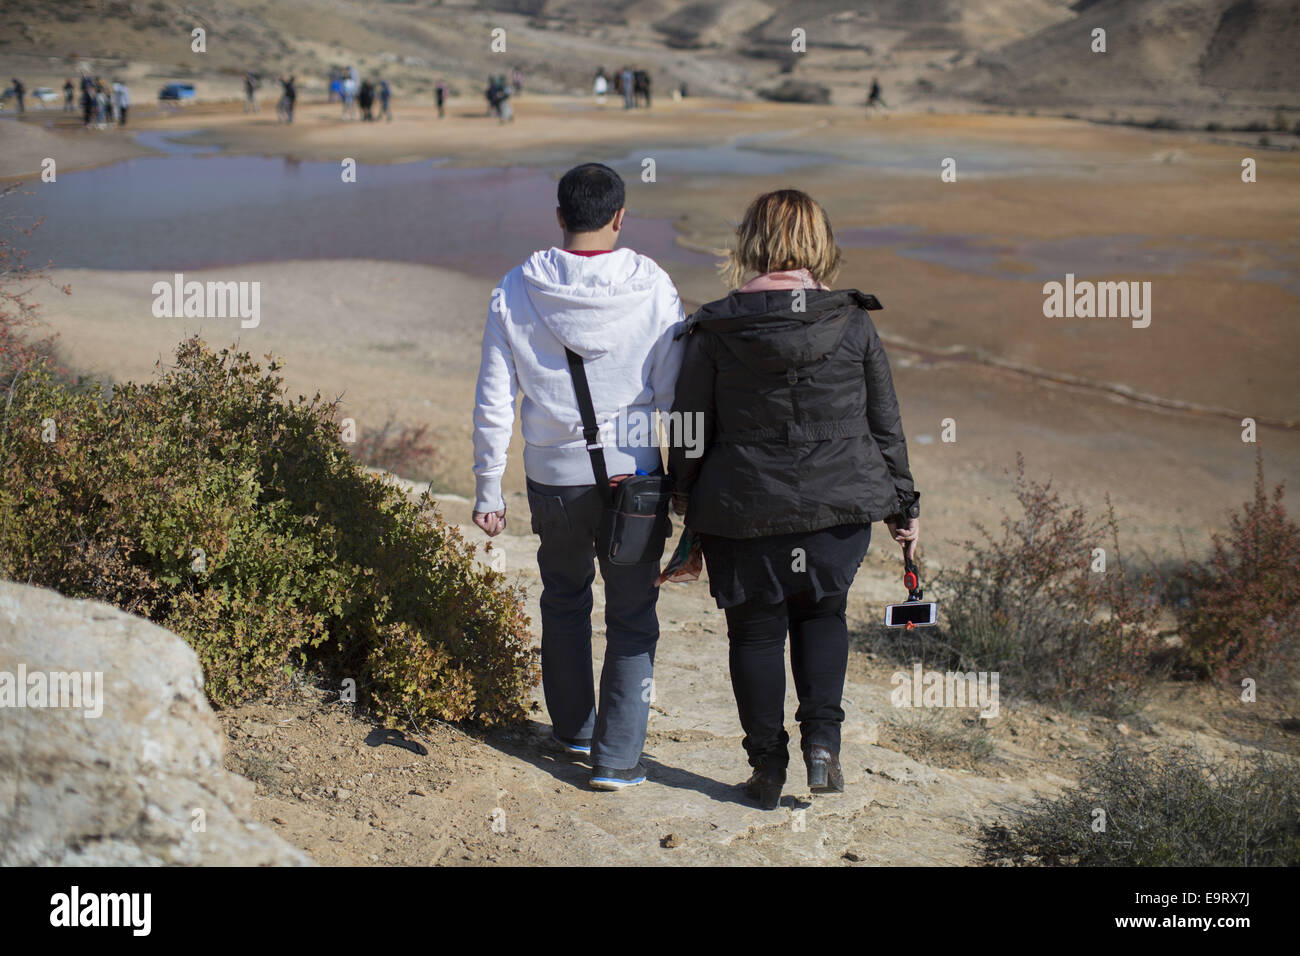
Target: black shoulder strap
[{"x": 590, "y": 430}]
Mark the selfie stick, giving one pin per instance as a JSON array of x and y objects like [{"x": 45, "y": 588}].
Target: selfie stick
[
  {"x": 916, "y": 612},
  {"x": 911, "y": 578}
]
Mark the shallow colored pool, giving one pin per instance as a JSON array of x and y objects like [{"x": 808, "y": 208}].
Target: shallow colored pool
[
  {"x": 186, "y": 210},
  {"x": 193, "y": 208}
]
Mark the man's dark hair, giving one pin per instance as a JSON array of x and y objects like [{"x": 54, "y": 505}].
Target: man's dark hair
[{"x": 589, "y": 197}]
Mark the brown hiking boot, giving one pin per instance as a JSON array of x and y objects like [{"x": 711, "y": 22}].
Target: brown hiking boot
[{"x": 824, "y": 773}]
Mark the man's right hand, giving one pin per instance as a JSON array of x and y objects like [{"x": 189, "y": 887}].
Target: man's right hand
[{"x": 492, "y": 522}]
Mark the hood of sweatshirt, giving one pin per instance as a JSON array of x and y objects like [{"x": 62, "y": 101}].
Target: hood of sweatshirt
[{"x": 582, "y": 299}]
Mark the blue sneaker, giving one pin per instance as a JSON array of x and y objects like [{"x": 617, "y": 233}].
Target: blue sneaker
[
  {"x": 574, "y": 748},
  {"x": 606, "y": 778}
]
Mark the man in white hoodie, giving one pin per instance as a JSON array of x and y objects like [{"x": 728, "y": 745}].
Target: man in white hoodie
[{"x": 621, "y": 313}]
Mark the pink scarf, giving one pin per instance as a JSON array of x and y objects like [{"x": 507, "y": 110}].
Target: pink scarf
[{"x": 776, "y": 281}]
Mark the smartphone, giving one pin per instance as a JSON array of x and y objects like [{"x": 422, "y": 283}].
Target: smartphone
[{"x": 912, "y": 614}]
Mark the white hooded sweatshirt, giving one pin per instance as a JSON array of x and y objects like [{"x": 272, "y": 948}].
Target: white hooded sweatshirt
[{"x": 621, "y": 313}]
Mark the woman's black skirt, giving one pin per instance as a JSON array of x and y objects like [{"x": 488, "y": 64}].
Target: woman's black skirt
[{"x": 769, "y": 569}]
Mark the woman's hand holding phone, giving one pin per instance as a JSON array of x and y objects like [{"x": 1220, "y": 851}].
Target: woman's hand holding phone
[{"x": 907, "y": 535}]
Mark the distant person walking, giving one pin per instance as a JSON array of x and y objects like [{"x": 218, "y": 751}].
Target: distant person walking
[
  {"x": 641, "y": 82},
  {"x": 122, "y": 99},
  {"x": 874, "y": 100},
  {"x": 87, "y": 104},
  {"x": 601, "y": 86},
  {"x": 349, "y": 89},
  {"x": 103, "y": 105},
  {"x": 68, "y": 91},
  {"x": 627, "y": 86},
  {"x": 366, "y": 99},
  {"x": 517, "y": 78},
  {"x": 385, "y": 96},
  {"x": 19, "y": 92},
  {"x": 440, "y": 97},
  {"x": 251, "y": 83},
  {"x": 504, "y": 109},
  {"x": 284, "y": 110}
]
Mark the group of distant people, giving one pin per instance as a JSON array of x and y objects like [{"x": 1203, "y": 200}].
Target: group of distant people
[
  {"x": 355, "y": 93},
  {"x": 498, "y": 95},
  {"x": 633, "y": 84},
  {"x": 101, "y": 105},
  {"x": 288, "y": 95},
  {"x": 368, "y": 99}
]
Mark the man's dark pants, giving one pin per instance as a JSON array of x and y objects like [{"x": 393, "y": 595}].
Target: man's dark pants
[{"x": 567, "y": 518}]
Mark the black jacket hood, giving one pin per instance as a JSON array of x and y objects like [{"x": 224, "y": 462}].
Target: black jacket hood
[{"x": 765, "y": 332}]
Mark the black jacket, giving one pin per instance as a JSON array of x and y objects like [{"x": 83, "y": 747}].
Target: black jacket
[{"x": 801, "y": 429}]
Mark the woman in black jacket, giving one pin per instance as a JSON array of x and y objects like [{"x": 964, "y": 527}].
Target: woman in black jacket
[{"x": 803, "y": 449}]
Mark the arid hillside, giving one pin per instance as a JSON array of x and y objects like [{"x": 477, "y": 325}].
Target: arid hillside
[
  {"x": 1174, "y": 53},
  {"x": 1192, "y": 58}
]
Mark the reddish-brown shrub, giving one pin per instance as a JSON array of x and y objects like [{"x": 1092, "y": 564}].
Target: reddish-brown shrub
[{"x": 1242, "y": 610}]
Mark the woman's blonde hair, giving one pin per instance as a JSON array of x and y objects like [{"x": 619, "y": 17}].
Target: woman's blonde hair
[{"x": 783, "y": 229}]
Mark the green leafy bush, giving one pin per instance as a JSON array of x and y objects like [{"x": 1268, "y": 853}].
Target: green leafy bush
[
  {"x": 1241, "y": 610},
  {"x": 1167, "y": 808},
  {"x": 207, "y": 502}
]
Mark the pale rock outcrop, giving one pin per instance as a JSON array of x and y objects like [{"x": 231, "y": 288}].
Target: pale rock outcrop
[{"x": 141, "y": 783}]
